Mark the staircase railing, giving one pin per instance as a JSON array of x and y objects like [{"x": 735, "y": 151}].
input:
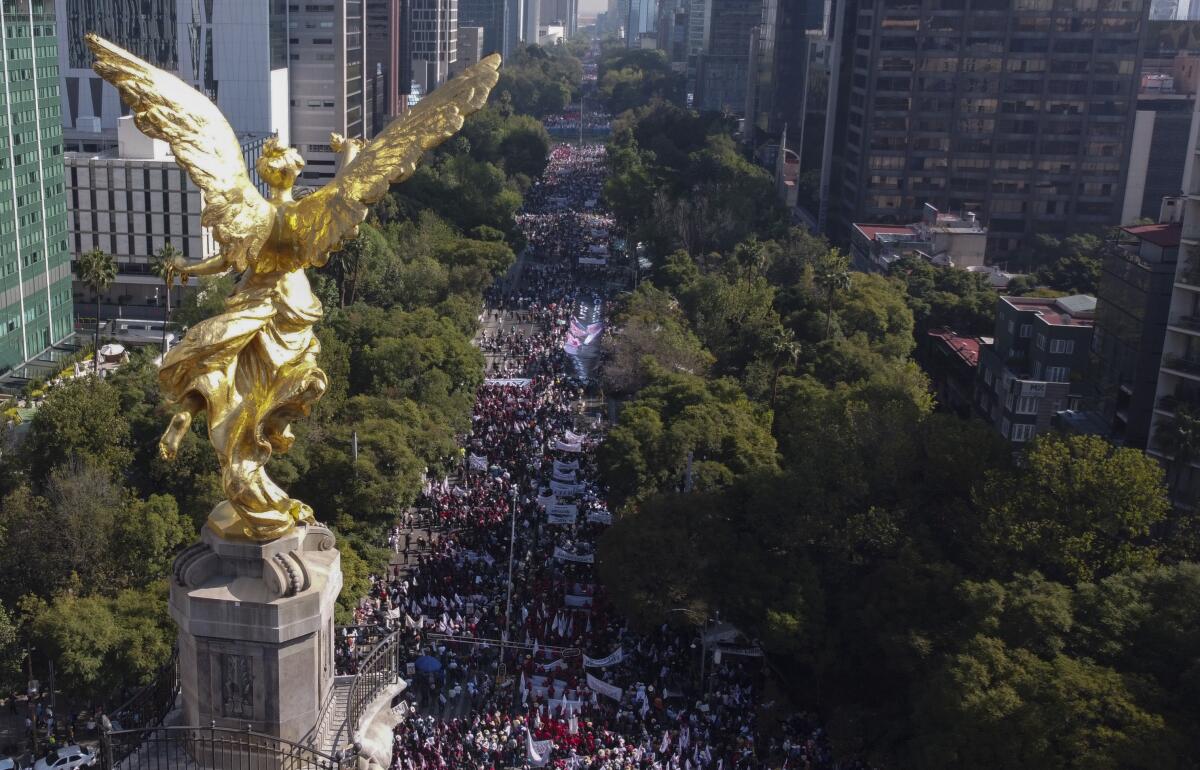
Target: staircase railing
[
  {"x": 219, "y": 748},
  {"x": 378, "y": 670}
]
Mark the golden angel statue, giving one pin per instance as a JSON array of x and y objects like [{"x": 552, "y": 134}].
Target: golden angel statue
[{"x": 253, "y": 368}]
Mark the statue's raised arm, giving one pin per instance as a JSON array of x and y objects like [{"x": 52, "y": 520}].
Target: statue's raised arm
[{"x": 253, "y": 368}]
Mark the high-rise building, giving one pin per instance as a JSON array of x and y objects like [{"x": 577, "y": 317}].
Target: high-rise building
[
  {"x": 781, "y": 61},
  {"x": 434, "y": 41},
  {"x": 531, "y": 21},
  {"x": 389, "y": 62},
  {"x": 488, "y": 15},
  {"x": 563, "y": 12},
  {"x": 328, "y": 60},
  {"x": 991, "y": 105},
  {"x": 470, "y": 47},
  {"x": 35, "y": 262},
  {"x": 1132, "y": 305},
  {"x": 1166, "y": 111},
  {"x": 234, "y": 51},
  {"x": 723, "y": 69},
  {"x": 1177, "y": 396}
]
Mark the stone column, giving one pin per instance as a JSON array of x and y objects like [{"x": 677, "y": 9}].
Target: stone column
[{"x": 256, "y": 641}]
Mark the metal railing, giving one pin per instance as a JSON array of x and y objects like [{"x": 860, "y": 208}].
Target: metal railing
[
  {"x": 151, "y": 703},
  {"x": 378, "y": 670},
  {"x": 215, "y": 748}
]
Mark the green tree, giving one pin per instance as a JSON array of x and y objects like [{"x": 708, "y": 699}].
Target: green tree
[
  {"x": 1078, "y": 509},
  {"x": 832, "y": 275},
  {"x": 80, "y": 420}
]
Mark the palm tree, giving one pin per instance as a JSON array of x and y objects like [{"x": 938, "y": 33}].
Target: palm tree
[
  {"x": 97, "y": 269},
  {"x": 161, "y": 266},
  {"x": 785, "y": 348},
  {"x": 832, "y": 275}
]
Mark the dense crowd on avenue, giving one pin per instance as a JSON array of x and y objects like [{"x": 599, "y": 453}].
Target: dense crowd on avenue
[{"x": 573, "y": 686}]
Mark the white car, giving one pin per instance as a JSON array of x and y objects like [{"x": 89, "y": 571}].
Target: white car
[
  {"x": 8, "y": 763},
  {"x": 67, "y": 758}
]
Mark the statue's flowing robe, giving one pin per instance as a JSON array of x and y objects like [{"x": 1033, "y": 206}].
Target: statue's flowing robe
[{"x": 255, "y": 366}]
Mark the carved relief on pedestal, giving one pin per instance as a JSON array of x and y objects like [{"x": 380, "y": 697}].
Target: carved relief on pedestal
[{"x": 237, "y": 686}]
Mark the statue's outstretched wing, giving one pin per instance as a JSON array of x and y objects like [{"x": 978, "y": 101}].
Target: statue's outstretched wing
[
  {"x": 166, "y": 108},
  {"x": 332, "y": 214}
]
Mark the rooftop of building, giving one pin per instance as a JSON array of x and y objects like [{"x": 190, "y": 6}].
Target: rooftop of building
[
  {"x": 1166, "y": 235},
  {"x": 872, "y": 232},
  {"x": 1075, "y": 310},
  {"x": 966, "y": 348}
]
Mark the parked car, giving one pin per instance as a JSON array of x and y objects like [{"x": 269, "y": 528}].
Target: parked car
[
  {"x": 67, "y": 758},
  {"x": 9, "y": 763}
]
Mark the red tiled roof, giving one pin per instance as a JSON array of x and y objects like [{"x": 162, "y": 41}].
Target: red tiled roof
[
  {"x": 1164, "y": 235},
  {"x": 967, "y": 348},
  {"x": 873, "y": 230}
]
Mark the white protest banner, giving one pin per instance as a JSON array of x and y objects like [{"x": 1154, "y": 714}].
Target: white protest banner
[
  {"x": 537, "y": 752},
  {"x": 615, "y": 657},
  {"x": 520, "y": 382},
  {"x": 572, "y": 437},
  {"x": 577, "y": 600},
  {"x": 604, "y": 688},
  {"x": 477, "y": 463},
  {"x": 559, "y": 488},
  {"x": 560, "y": 518},
  {"x": 593, "y": 261},
  {"x": 559, "y": 465},
  {"x": 568, "y": 447},
  {"x": 563, "y": 509},
  {"x": 553, "y": 666},
  {"x": 600, "y": 517},
  {"x": 582, "y": 558},
  {"x": 564, "y": 475},
  {"x": 546, "y": 500}
]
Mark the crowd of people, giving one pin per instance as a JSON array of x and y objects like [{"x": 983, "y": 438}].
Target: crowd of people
[{"x": 520, "y": 660}]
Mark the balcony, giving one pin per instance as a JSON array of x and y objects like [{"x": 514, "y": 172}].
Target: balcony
[
  {"x": 1189, "y": 276},
  {"x": 1185, "y": 365},
  {"x": 1187, "y": 324}
]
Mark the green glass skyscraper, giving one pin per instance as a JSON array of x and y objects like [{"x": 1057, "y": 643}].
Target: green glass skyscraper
[{"x": 35, "y": 264}]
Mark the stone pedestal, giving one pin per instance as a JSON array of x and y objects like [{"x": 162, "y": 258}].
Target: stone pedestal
[{"x": 256, "y": 641}]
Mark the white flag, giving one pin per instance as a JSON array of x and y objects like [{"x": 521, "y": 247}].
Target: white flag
[{"x": 537, "y": 752}]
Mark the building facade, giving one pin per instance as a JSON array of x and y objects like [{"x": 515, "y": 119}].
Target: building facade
[
  {"x": 1132, "y": 306},
  {"x": 488, "y": 15},
  {"x": 389, "y": 62},
  {"x": 130, "y": 202},
  {"x": 1035, "y": 364},
  {"x": 1001, "y": 106},
  {"x": 327, "y": 50},
  {"x": 561, "y": 12},
  {"x": 434, "y": 41},
  {"x": 234, "y": 51},
  {"x": 35, "y": 261},
  {"x": 723, "y": 67}
]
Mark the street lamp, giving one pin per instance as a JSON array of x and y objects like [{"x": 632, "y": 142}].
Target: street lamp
[
  {"x": 512, "y": 537},
  {"x": 704, "y": 621}
]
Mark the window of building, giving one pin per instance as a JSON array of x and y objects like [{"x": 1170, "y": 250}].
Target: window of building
[
  {"x": 1004, "y": 427},
  {"x": 1012, "y": 325},
  {"x": 1023, "y": 431},
  {"x": 1026, "y": 330},
  {"x": 1066, "y": 347},
  {"x": 1027, "y": 405},
  {"x": 1058, "y": 373},
  {"x": 1037, "y": 370},
  {"x": 987, "y": 376},
  {"x": 1041, "y": 341}
]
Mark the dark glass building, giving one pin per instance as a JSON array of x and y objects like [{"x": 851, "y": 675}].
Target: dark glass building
[{"x": 1131, "y": 320}]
